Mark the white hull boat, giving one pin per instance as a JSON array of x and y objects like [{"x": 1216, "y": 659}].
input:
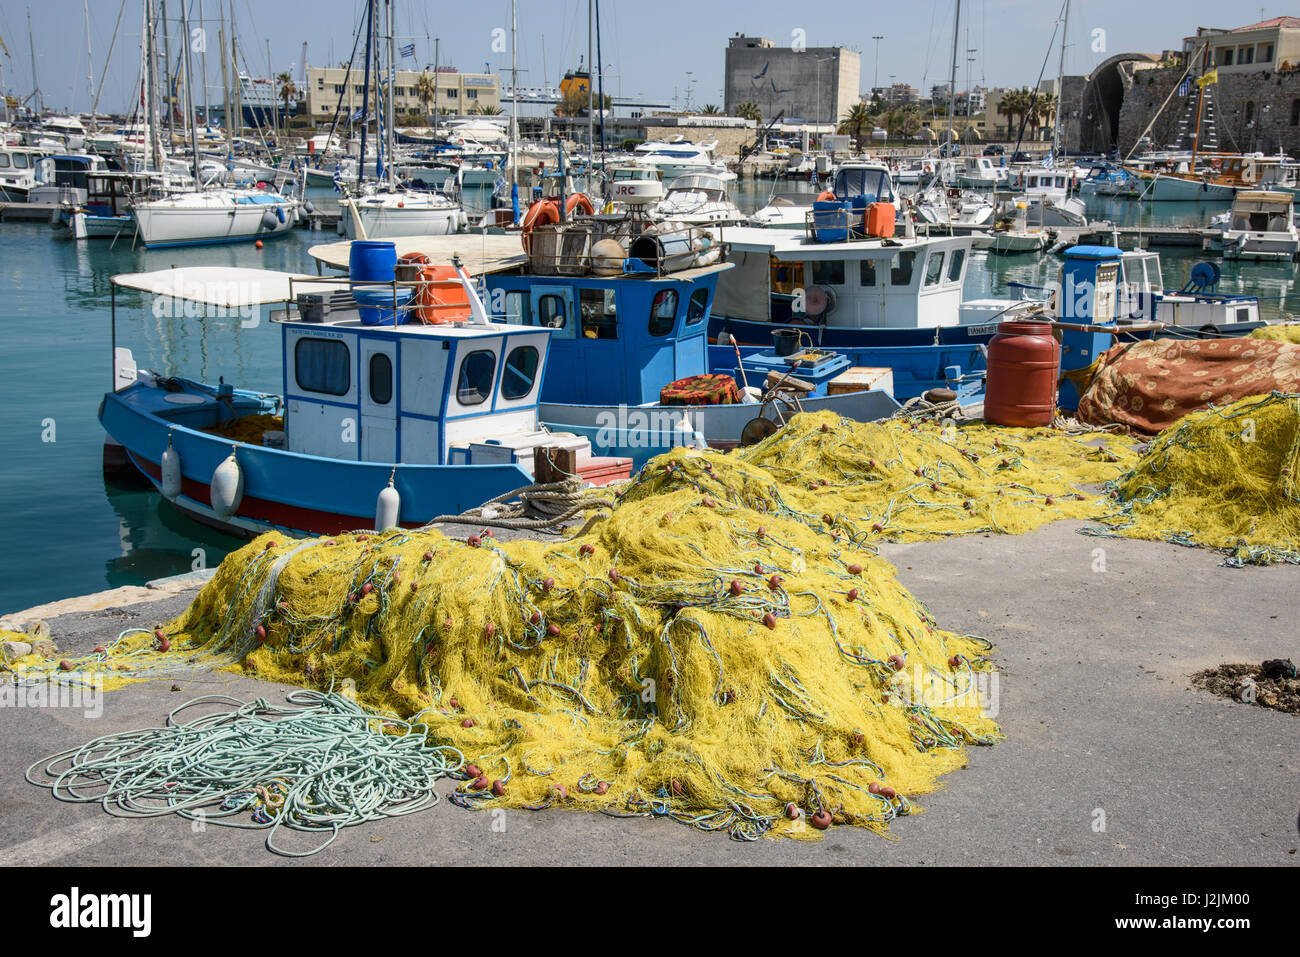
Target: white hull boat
[
  {"x": 214, "y": 216},
  {"x": 387, "y": 214}
]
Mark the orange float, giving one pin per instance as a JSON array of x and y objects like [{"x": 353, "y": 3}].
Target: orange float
[{"x": 546, "y": 212}]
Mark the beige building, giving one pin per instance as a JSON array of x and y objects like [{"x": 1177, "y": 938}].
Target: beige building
[
  {"x": 457, "y": 92},
  {"x": 1269, "y": 46}
]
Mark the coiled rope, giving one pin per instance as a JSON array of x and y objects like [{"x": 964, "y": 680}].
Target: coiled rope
[
  {"x": 539, "y": 506},
  {"x": 321, "y": 764}
]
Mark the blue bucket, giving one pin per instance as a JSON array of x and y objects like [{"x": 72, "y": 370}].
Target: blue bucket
[
  {"x": 374, "y": 261},
  {"x": 831, "y": 221}
]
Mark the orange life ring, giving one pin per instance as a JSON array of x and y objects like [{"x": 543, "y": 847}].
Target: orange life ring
[
  {"x": 826, "y": 196},
  {"x": 546, "y": 212},
  {"x": 1217, "y": 163},
  {"x": 441, "y": 296}
]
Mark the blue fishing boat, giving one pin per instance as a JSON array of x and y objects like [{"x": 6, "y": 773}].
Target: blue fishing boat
[{"x": 376, "y": 424}]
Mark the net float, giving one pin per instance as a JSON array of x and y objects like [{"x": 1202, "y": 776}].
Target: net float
[
  {"x": 792, "y": 811},
  {"x": 428, "y": 556},
  {"x": 164, "y": 645},
  {"x": 456, "y": 704},
  {"x": 586, "y": 549},
  {"x": 282, "y": 607},
  {"x": 852, "y": 594},
  {"x": 774, "y": 582},
  {"x": 676, "y": 786},
  {"x": 871, "y": 463},
  {"x": 261, "y": 633},
  {"x": 553, "y": 628},
  {"x": 602, "y": 787},
  {"x": 770, "y": 620},
  {"x": 613, "y": 574},
  {"x": 857, "y": 737},
  {"x": 916, "y": 471},
  {"x": 467, "y": 723},
  {"x": 877, "y": 527},
  {"x": 707, "y": 502},
  {"x": 446, "y": 624},
  {"x": 415, "y": 586},
  {"x": 473, "y": 770},
  {"x": 1048, "y": 500},
  {"x": 159, "y": 634},
  {"x": 366, "y": 589},
  {"x": 498, "y": 788},
  {"x": 826, "y": 518},
  {"x": 362, "y": 538},
  {"x": 821, "y": 820},
  {"x": 330, "y": 541},
  {"x": 258, "y": 244},
  {"x": 562, "y": 791},
  {"x": 934, "y": 486},
  {"x": 855, "y": 569},
  {"x": 736, "y": 587},
  {"x": 874, "y": 787},
  {"x": 823, "y": 482},
  {"x": 486, "y": 533},
  {"x": 897, "y": 662},
  {"x": 888, "y": 793},
  {"x": 352, "y": 598},
  {"x": 762, "y": 530},
  {"x": 101, "y": 650},
  {"x": 535, "y": 618},
  {"x": 489, "y": 629},
  {"x": 954, "y": 662},
  {"x": 758, "y": 568},
  {"x": 965, "y": 504},
  {"x": 548, "y": 584},
  {"x": 269, "y": 545},
  {"x": 479, "y": 783},
  {"x": 65, "y": 665},
  {"x": 825, "y": 427},
  {"x": 473, "y": 541}
]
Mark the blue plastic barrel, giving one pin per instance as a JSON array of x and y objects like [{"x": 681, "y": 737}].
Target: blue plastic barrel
[
  {"x": 831, "y": 220},
  {"x": 374, "y": 261}
]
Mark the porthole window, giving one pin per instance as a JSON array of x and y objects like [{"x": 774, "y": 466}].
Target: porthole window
[{"x": 381, "y": 379}]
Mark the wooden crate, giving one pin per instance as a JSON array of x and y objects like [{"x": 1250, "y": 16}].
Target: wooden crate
[{"x": 861, "y": 378}]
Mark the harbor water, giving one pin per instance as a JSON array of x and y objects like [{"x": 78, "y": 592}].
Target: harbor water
[{"x": 76, "y": 533}]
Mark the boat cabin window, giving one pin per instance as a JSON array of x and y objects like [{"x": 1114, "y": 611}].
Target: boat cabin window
[
  {"x": 381, "y": 379},
  {"x": 955, "y": 264},
  {"x": 517, "y": 310},
  {"x": 323, "y": 366},
  {"x": 900, "y": 270},
  {"x": 866, "y": 272},
  {"x": 873, "y": 184},
  {"x": 828, "y": 272},
  {"x": 520, "y": 373},
  {"x": 550, "y": 312},
  {"x": 698, "y": 307},
  {"x": 20, "y": 161},
  {"x": 476, "y": 372},
  {"x": 599, "y": 313},
  {"x": 663, "y": 312},
  {"x": 934, "y": 269},
  {"x": 4, "y": 160}
]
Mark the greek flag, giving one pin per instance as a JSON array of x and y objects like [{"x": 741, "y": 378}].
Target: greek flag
[
  {"x": 1185, "y": 87},
  {"x": 338, "y": 178},
  {"x": 408, "y": 50}
]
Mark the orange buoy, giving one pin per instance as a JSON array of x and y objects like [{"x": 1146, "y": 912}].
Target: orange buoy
[
  {"x": 258, "y": 244},
  {"x": 1023, "y": 366}
]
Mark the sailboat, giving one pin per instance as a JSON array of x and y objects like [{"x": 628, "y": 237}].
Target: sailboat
[
  {"x": 208, "y": 215},
  {"x": 384, "y": 209}
]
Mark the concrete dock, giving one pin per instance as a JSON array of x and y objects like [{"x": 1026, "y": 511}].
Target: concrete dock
[{"x": 1111, "y": 756}]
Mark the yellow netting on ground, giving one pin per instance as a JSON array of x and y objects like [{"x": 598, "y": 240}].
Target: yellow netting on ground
[
  {"x": 1224, "y": 478},
  {"x": 723, "y": 643},
  {"x": 1289, "y": 332},
  {"x": 249, "y": 428}
]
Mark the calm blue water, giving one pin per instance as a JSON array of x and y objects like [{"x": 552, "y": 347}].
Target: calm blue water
[{"x": 67, "y": 532}]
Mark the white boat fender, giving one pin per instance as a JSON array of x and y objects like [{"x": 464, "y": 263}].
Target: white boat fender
[
  {"x": 227, "y": 488},
  {"x": 170, "y": 465},
  {"x": 269, "y": 221},
  {"x": 388, "y": 507}
]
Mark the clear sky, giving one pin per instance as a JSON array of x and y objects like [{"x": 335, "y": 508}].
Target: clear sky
[{"x": 656, "y": 48}]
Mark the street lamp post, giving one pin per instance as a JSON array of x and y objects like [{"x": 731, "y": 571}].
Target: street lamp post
[{"x": 875, "y": 79}]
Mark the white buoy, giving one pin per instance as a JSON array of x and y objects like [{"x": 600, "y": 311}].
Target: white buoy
[
  {"x": 227, "y": 487},
  {"x": 78, "y": 224},
  {"x": 170, "y": 464},
  {"x": 388, "y": 508}
]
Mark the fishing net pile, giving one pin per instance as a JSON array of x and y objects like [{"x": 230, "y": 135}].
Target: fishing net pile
[
  {"x": 1225, "y": 478},
  {"x": 1280, "y": 332},
  {"x": 723, "y": 647},
  {"x": 249, "y": 428}
]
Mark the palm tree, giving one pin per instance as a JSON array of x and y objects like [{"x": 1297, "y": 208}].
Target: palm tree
[
  {"x": 1046, "y": 109},
  {"x": 750, "y": 111},
  {"x": 425, "y": 89},
  {"x": 482, "y": 109},
  {"x": 287, "y": 92},
  {"x": 711, "y": 109},
  {"x": 857, "y": 121},
  {"x": 1014, "y": 106}
]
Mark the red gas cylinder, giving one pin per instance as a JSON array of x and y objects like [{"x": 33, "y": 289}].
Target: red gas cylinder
[{"x": 1024, "y": 364}]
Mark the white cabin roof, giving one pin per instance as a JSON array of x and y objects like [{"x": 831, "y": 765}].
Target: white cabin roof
[
  {"x": 789, "y": 244},
  {"x": 479, "y": 252}
]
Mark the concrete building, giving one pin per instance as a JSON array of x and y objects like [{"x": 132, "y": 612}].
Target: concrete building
[
  {"x": 896, "y": 94},
  {"x": 457, "y": 92},
  {"x": 1271, "y": 45},
  {"x": 816, "y": 84}
]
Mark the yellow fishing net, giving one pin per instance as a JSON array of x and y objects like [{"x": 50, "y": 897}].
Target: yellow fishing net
[
  {"x": 1287, "y": 332},
  {"x": 722, "y": 644},
  {"x": 249, "y": 428},
  {"x": 1223, "y": 478}
]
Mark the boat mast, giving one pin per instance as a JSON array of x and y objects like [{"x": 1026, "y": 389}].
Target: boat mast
[
  {"x": 514, "y": 96},
  {"x": 952, "y": 83},
  {"x": 90, "y": 59},
  {"x": 167, "y": 79},
  {"x": 37, "y": 95},
  {"x": 155, "y": 120},
  {"x": 390, "y": 138},
  {"x": 207, "y": 109},
  {"x": 1060, "y": 85},
  {"x": 1200, "y": 106},
  {"x": 189, "y": 91},
  {"x": 225, "y": 82},
  {"x": 591, "y": 93},
  {"x": 365, "y": 92}
]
